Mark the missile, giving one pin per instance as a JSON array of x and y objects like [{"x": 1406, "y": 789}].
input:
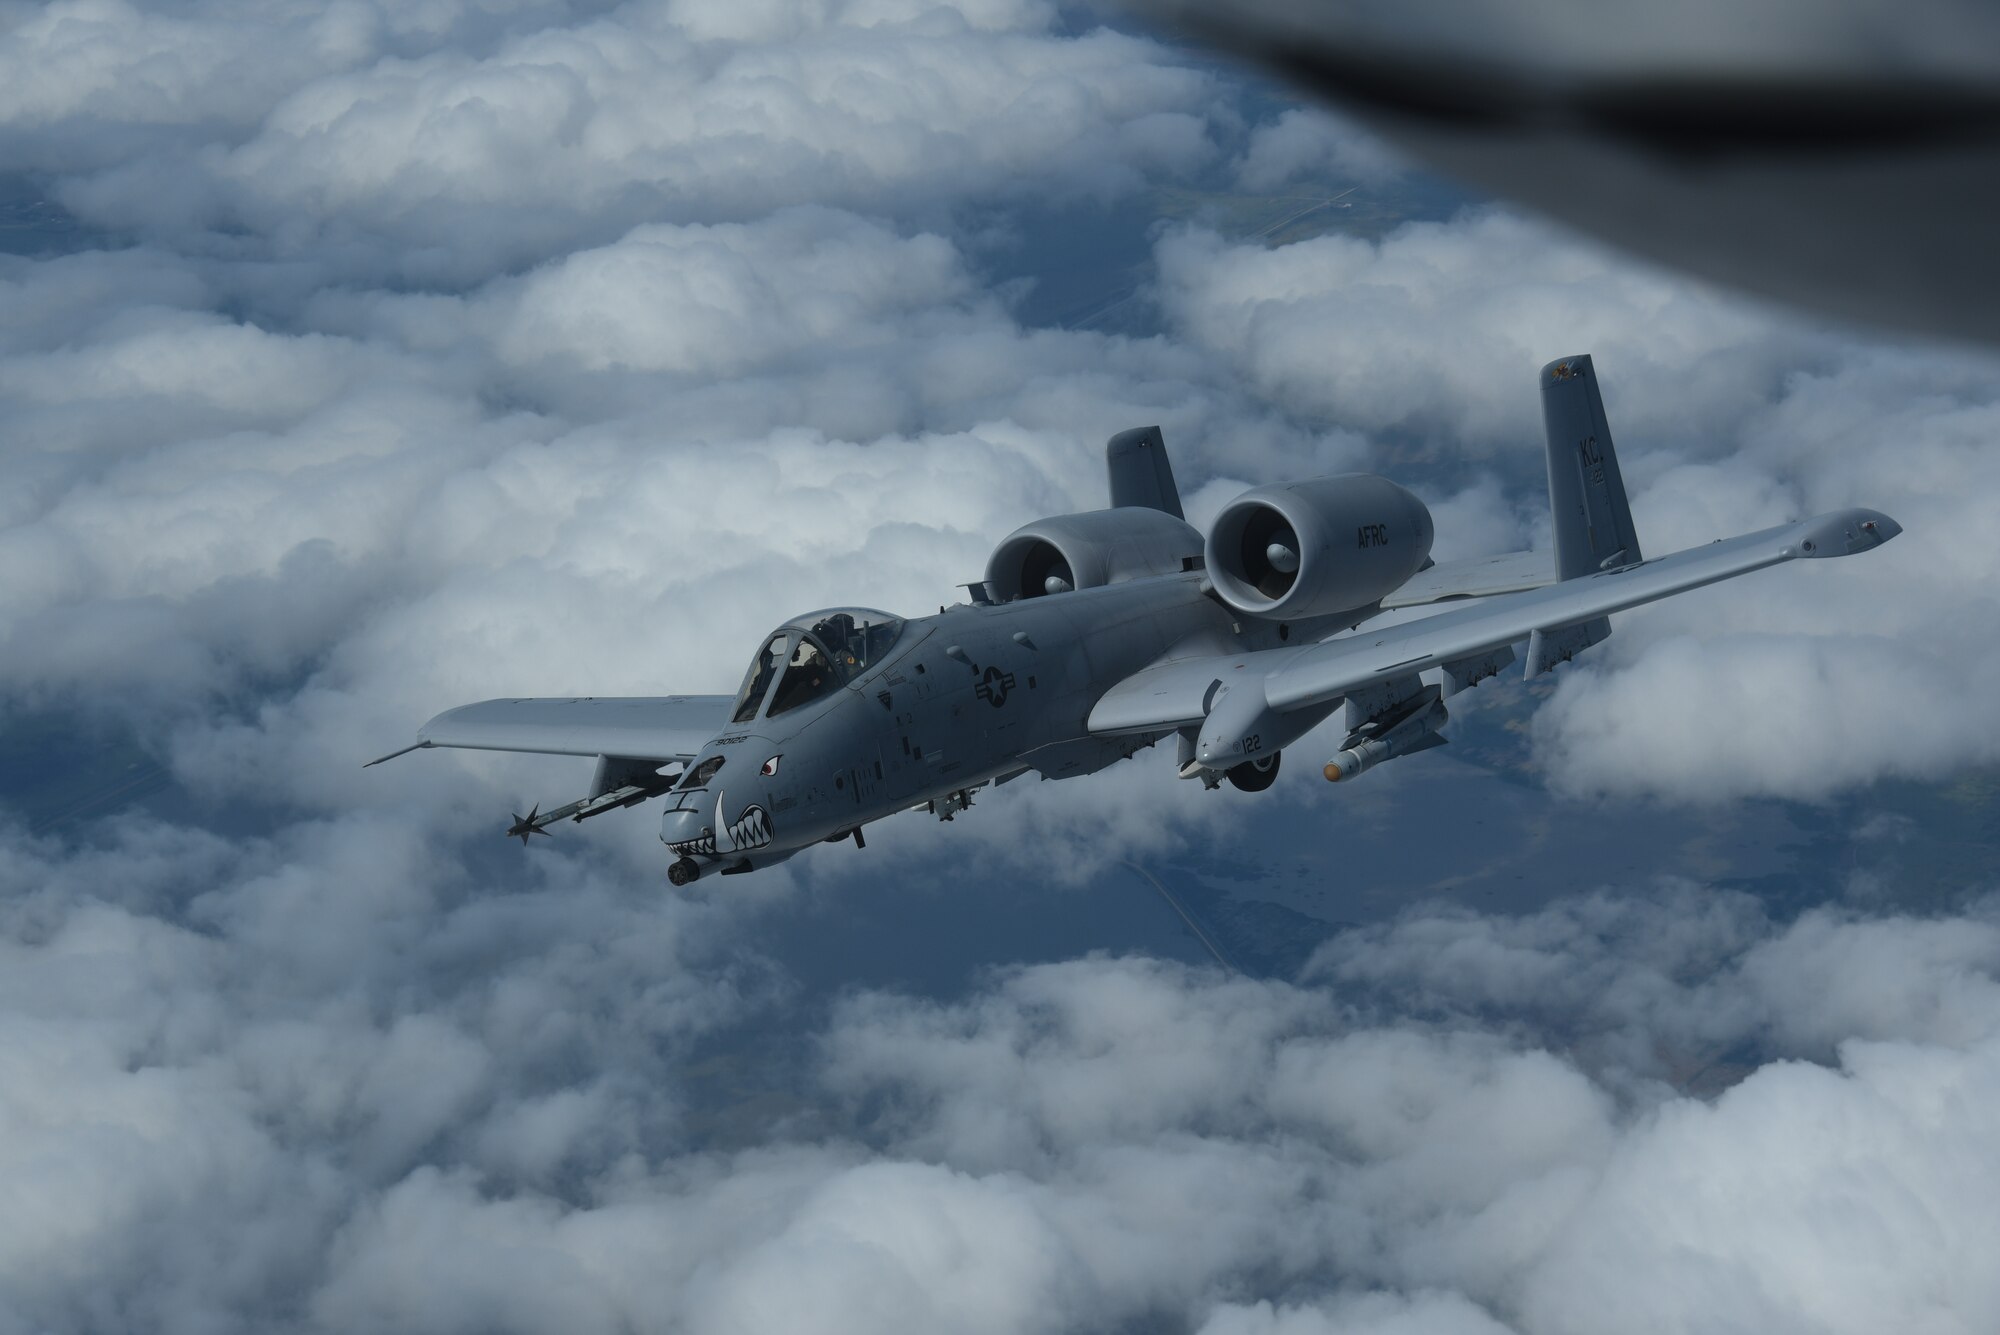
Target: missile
[
  {"x": 583, "y": 808},
  {"x": 1419, "y": 732}
]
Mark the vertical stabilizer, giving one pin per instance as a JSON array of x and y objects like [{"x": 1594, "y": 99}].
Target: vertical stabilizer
[
  {"x": 1593, "y": 520},
  {"x": 1140, "y": 473}
]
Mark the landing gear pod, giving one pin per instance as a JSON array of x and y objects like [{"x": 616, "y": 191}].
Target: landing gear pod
[
  {"x": 1241, "y": 723},
  {"x": 1254, "y": 776}
]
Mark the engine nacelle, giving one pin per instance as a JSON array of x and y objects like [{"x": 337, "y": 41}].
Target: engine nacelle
[
  {"x": 1329, "y": 544},
  {"x": 1065, "y": 552}
]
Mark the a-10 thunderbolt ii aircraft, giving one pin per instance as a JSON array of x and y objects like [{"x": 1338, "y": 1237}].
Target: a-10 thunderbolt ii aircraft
[{"x": 1093, "y": 636}]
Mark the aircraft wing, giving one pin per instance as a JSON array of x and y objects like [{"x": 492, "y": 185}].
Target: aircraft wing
[
  {"x": 1480, "y": 577},
  {"x": 1176, "y": 694},
  {"x": 653, "y": 727}
]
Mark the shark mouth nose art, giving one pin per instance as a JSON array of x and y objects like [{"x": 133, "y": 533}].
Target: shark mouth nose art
[
  {"x": 751, "y": 830},
  {"x": 701, "y": 847},
  {"x": 748, "y": 832}
]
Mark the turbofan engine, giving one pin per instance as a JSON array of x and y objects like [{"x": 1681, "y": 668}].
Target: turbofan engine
[
  {"x": 1066, "y": 552},
  {"x": 1329, "y": 544}
]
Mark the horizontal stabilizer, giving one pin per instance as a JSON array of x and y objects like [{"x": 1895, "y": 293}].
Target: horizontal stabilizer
[{"x": 1479, "y": 577}]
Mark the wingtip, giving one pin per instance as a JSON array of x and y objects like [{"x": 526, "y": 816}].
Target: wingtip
[
  {"x": 1881, "y": 525},
  {"x": 414, "y": 746},
  {"x": 1844, "y": 533}
]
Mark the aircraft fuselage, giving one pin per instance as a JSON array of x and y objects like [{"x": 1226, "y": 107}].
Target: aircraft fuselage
[{"x": 974, "y": 694}]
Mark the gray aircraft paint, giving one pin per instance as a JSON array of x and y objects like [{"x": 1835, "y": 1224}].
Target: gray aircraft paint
[{"x": 1095, "y": 635}]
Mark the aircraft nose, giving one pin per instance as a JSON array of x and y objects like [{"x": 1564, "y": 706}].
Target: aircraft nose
[{"x": 682, "y": 825}]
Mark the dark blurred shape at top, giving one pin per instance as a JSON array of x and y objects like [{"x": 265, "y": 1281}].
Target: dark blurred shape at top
[{"x": 1843, "y": 155}]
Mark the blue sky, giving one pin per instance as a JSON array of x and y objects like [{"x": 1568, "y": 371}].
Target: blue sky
[{"x": 360, "y": 361}]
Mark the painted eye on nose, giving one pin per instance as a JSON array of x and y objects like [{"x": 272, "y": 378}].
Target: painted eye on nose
[{"x": 770, "y": 766}]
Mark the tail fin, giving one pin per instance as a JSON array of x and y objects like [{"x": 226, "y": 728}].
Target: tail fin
[
  {"x": 1140, "y": 473},
  {"x": 1593, "y": 520}
]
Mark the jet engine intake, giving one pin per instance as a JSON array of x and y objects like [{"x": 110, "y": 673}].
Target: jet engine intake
[
  {"x": 1329, "y": 544},
  {"x": 1084, "y": 551}
]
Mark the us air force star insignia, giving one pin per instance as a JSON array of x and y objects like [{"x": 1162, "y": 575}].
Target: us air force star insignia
[{"x": 993, "y": 686}]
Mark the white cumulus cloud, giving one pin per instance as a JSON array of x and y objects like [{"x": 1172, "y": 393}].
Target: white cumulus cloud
[{"x": 399, "y": 356}]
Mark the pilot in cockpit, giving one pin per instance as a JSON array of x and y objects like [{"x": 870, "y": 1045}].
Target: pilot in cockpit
[
  {"x": 805, "y": 679},
  {"x": 837, "y": 633}
]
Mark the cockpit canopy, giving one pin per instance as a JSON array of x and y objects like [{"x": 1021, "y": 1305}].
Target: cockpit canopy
[{"x": 811, "y": 657}]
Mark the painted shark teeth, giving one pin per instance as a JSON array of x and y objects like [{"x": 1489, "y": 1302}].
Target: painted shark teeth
[{"x": 752, "y": 829}]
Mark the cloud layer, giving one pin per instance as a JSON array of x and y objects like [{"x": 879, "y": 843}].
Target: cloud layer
[
  {"x": 391, "y": 357},
  {"x": 234, "y": 1134},
  {"x": 443, "y": 144}
]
